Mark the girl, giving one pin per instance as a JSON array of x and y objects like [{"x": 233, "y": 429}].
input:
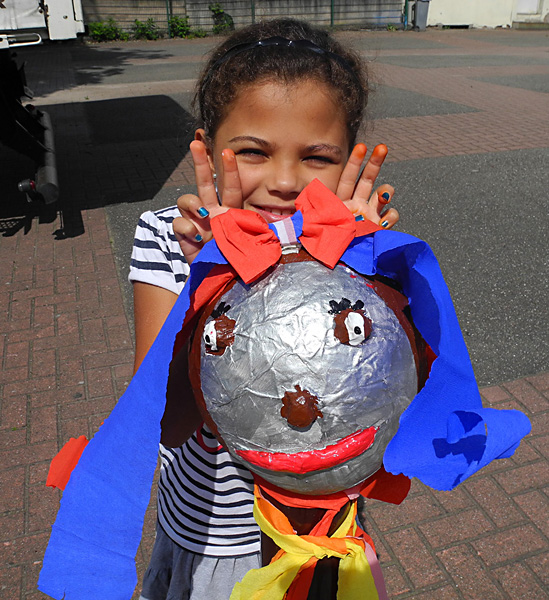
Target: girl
[{"x": 280, "y": 103}]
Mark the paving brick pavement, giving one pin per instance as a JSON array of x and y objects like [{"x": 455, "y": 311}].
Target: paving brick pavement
[{"x": 66, "y": 345}]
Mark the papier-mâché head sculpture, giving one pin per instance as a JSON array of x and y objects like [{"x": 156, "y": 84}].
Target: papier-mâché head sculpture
[{"x": 304, "y": 374}]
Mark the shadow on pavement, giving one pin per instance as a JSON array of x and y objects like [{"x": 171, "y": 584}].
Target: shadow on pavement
[
  {"x": 111, "y": 151},
  {"x": 46, "y": 65},
  {"x": 118, "y": 150}
]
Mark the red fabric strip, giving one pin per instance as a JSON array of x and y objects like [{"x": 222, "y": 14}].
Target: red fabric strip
[
  {"x": 64, "y": 462},
  {"x": 366, "y": 227},
  {"x": 380, "y": 486}
]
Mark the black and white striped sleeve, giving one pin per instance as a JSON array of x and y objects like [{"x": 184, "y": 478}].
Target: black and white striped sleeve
[{"x": 156, "y": 256}]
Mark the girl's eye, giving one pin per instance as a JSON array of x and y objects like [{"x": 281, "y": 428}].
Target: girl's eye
[
  {"x": 320, "y": 159},
  {"x": 251, "y": 152}
]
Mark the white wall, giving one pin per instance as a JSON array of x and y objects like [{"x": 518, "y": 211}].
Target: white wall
[
  {"x": 531, "y": 11},
  {"x": 476, "y": 13},
  {"x": 487, "y": 13}
]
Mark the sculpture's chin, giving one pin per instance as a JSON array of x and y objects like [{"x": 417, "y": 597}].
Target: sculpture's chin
[{"x": 313, "y": 460}]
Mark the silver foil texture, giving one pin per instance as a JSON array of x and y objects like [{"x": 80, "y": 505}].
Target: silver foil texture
[{"x": 297, "y": 362}]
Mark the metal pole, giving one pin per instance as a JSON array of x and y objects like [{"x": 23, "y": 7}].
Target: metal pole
[
  {"x": 253, "y": 10},
  {"x": 405, "y": 15},
  {"x": 332, "y": 8},
  {"x": 168, "y": 15}
]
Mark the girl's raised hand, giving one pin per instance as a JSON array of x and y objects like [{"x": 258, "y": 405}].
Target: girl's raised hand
[
  {"x": 193, "y": 228},
  {"x": 358, "y": 196}
]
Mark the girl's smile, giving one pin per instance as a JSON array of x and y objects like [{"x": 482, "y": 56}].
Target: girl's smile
[{"x": 283, "y": 136}]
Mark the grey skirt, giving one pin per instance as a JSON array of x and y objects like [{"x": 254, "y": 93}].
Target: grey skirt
[{"x": 178, "y": 574}]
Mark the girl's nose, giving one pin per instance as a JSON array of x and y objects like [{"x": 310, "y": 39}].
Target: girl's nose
[{"x": 284, "y": 180}]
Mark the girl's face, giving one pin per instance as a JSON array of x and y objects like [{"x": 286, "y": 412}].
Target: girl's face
[{"x": 283, "y": 136}]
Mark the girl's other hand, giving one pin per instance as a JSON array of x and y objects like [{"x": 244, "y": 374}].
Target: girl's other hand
[
  {"x": 193, "y": 228},
  {"x": 358, "y": 195}
]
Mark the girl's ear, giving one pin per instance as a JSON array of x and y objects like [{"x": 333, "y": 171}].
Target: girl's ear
[{"x": 200, "y": 135}]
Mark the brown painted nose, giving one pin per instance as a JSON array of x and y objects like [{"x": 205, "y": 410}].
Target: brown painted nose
[{"x": 300, "y": 408}]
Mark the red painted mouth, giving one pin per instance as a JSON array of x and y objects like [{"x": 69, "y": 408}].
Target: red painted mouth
[{"x": 314, "y": 460}]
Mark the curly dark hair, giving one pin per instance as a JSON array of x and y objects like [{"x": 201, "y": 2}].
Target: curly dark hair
[{"x": 227, "y": 73}]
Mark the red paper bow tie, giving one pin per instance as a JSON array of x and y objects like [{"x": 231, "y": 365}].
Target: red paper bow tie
[{"x": 251, "y": 247}]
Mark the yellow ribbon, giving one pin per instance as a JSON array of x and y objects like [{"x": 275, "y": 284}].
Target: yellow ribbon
[{"x": 355, "y": 581}]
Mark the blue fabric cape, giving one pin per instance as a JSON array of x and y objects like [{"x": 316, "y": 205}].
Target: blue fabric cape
[{"x": 444, "y": 437}]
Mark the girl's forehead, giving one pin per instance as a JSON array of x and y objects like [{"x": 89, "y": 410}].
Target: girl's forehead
[
  {"x": 289, "y": 92},
  {"x": 307, "y": 108}
]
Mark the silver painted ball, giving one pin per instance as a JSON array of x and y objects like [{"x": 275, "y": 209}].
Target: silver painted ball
[{"x": 284, "y": 336}]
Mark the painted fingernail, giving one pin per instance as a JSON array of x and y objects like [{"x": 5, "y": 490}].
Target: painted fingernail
[
  {"x": 386, "y": 196},
  {"x": 384, "y": 223},
  {"x": 198, "y": 237},
  {"x": 203, "y": 212},
  {"x": 359, "y": 218}
]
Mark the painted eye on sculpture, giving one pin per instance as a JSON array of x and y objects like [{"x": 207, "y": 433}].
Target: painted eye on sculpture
[
  {"x": 219, "y": 334},
  {"x": 352, "y": 326},
  {"x": 210, "y": 337},
  {"x": 358, "y": 328}
]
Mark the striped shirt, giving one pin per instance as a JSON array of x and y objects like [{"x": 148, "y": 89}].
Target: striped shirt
[
  {"x": 156, "y": 255},
  {"x": 205, "y": 498}
]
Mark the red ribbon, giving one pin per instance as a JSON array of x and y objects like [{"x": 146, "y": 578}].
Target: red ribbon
[
  {"x": 328, "y": 225},
  {"x": 246, "y": 241},
  {"x": 251, "y": 247}
]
